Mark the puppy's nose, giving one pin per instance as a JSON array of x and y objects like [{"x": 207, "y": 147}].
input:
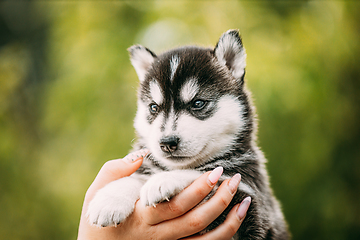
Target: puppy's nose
[{"x": 169, "y": 144}]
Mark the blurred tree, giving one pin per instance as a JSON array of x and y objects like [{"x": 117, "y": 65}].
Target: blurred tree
[{"x": 27, "y": 213}]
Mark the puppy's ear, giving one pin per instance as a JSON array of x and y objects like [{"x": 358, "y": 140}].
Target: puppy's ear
[
  {"x": 231, "y": 53},
  {"x": 141, "y": 58}
]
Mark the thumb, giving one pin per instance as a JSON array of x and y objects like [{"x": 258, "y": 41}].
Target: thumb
[{"x": 118, "y": 168}]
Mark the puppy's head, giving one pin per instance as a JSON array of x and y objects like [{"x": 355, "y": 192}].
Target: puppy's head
[{"x": 190, "y": 104}]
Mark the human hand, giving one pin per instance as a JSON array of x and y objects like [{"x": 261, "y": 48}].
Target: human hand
[{"x": 178, "y": 218}]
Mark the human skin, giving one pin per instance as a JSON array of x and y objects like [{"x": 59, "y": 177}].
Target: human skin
[{"x": 181, "y": 217}]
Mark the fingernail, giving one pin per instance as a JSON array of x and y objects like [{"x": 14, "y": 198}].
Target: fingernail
[
  {"x": 244, "y": 206},
  {"x": 234, "y": 183},
  {"x": 134, "y": 156},
  {"x": 215, "y": 175},
  {"x": 143, "y": 152}
]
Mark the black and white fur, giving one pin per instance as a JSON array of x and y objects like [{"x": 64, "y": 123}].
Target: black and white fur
[{"x": 194, "y": 114}]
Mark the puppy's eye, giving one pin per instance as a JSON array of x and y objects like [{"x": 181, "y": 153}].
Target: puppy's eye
[
  {"x": 154, "y": 108},
  {"x": 198, "y": 104}
]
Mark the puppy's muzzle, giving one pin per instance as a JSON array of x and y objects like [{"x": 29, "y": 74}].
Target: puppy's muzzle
[{"x": 169, "y": 144}]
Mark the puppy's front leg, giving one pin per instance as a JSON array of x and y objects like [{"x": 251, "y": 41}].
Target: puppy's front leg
[
  {"x": 115, "y": 202},
  {"x": 162, "y": 186}
]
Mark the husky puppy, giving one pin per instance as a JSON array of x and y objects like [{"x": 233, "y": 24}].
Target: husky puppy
[{"x": 194, "y": 114}]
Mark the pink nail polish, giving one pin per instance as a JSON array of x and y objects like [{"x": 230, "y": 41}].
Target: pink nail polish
[
  {"x": 143, "y": 152},
  {"x": 134, "y": 156},
  {"x": 234, "y": 183},
  {"x": 215, "y": 175},
  {"x": 241, "y": 211}
]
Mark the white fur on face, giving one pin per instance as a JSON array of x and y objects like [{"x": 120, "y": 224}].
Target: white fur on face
[
  {"x": 199, "y": 139},
  {"x": 174, "y": 64},
  {"x": 140, "y": 123},
  {"x": 169, "y": 124},
  {"x": 154, "y": 135},
  {"x": 155, "y": 92},
  {"x": 189, "y": 90}
]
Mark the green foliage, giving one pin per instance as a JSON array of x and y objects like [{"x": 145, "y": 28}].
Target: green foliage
[{"x": 68, "y": 98}]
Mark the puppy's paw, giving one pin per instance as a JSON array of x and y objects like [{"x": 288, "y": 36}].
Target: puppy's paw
[
  {"x": 163, "y": 186},
  {"x": 110, "y": 206},
  {"x": 105, "y": 212}
]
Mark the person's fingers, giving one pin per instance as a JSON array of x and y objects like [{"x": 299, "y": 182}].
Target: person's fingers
[
  {"x": 110, "y": 171},
  {"x": 116, "y": 169},
  {"x": 229, "y": 227},
  {"x": 184, "y": 201},
  {"x": 200, "y": 217}
]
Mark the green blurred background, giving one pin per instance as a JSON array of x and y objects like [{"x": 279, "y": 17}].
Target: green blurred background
[{"x": 67, "y": 102}]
